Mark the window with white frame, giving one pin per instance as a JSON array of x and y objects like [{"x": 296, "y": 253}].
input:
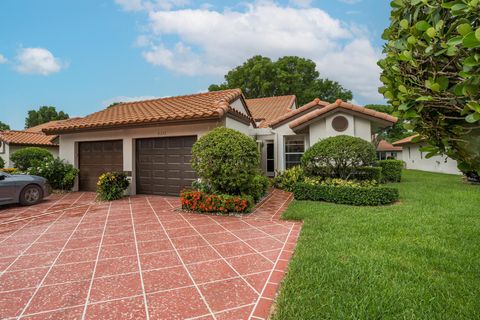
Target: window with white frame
[{"x": 294, "y": 149}]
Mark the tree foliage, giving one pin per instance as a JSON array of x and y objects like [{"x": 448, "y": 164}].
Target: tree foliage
[
  {"x": 4, "y": 126},
  {"x": 391, "y": 133},
  {"x": 43, "y": 115},
  {"x": 260, "y": 77},
  {"x": 431, "y": 74}
]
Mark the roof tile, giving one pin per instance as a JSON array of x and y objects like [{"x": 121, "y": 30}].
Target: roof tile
[
  {"x": 27, "y": 138},
  {"x": 268, "y": 109}
]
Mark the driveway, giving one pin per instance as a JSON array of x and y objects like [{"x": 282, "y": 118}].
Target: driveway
[{"x": 141, "y": 258}]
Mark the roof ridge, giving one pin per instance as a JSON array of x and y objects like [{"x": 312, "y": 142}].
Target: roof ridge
[
  {"x": 282, "y": 96},
  {"x": 22, "y": 131},
  {"x": 180, "y": 96}
]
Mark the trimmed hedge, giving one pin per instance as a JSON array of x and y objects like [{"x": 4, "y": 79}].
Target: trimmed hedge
[
  {"x": 391, "y": 170},
  {"x": 199, "y": 201},
  {"x": 357, "y": 196},
  {"x": 367, "y": 173}
]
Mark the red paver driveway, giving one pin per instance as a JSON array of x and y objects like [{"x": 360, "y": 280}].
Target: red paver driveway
[{"x": 140, "y": 258}]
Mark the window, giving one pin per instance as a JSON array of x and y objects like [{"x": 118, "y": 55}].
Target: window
[
  {"x": 270, "y": 157},
  {"x": 340, "y": 123},
  {"x": 294, "y": 149}
]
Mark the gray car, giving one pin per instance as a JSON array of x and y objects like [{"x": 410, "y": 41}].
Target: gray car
[{"x": 24, "y": 189}]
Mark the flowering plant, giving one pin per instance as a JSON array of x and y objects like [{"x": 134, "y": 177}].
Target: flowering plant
[
  {"x": 200, "y": 201},
  {"x": 111, "y": 185}
]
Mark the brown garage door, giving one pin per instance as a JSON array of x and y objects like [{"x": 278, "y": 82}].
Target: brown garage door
[
  {"x": 97, "y": 157},
  {"x": 163, "y": 165}
]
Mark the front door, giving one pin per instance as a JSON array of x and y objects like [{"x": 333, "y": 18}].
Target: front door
[{"x": 270, "y": 159}]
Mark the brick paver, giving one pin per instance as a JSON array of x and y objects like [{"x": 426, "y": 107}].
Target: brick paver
[{"x": 71, "y": 257}]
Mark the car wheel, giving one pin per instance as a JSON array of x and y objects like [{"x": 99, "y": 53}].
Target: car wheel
[{"x": 30, "y": 195}]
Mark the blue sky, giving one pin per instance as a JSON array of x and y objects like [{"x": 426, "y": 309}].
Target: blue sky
[{"x": 81, "y": 55}]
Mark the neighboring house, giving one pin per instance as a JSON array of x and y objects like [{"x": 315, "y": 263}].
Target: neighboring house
[
  {"x": 385, "y": 150},
  {"x": 151, "y": 140},
  {"x": 12, "y": 140},
  {"x": 415, "y": 159}
]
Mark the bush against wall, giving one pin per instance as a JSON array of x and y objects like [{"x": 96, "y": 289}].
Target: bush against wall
[
  {"x": 112, "y": 185},
  {"x": 199, "y": 201},
  {"x": 287, "y": 179},
  {"x": 338, "y": 156},
  {"x": 60, "y": 174},
  {"x": 391, "y": 170},
  {"x": 227, "y": 160},
  {"x": 30, "y": 157},
  {"x": 2, "y": 163},
  {"x": 346, "y": 194}
]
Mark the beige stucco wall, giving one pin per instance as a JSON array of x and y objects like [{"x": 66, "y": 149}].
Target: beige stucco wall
[
  {"x": 357, "y": 127},
  {"x": 239, "y": 126},
  {"x": 9, "y": 149},
  {"x": 415, "y": 159},
  {"x": 69, "y": 142}
]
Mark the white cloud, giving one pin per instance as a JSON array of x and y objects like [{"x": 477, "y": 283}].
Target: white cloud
[
  {"x": 108, "y": 102},
  {"x": 38, "y": 61},
  {"x": 3, "y": 59},
  {"x": 212, "y": 42}
]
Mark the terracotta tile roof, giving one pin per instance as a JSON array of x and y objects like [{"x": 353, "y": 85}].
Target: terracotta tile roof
[
  {"x": 317, "y": 103},
  {"x": 384, "y": 145},
  {"x": 405, "y": 140},
  {"x": 266, "y": 110},
  {"x": 49, "y": 124},
  {"x": 190, "y": 107},
  {"x": 339, "y": 104},
  {"x": 27, "y": 138}
]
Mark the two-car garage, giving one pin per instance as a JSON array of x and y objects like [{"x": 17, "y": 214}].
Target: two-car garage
[{"x": 162, "y": 165}]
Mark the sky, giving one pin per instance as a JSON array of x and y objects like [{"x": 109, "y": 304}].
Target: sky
[{"x": 80, "y": 56}]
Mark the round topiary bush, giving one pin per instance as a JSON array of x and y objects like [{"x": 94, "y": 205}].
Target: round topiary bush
[
  {"x": 30, "y": 157},
  {"x": 227, "y": 160},
  {"x": 338, "y": 157}
]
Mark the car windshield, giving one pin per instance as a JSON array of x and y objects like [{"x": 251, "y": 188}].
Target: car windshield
[{"x": 4, "y": 174}]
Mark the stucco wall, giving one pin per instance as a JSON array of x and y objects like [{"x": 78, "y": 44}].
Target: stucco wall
[
  {"x": 69, "y": 142},
  {"x": 9, "y": 149},
  {"x": 239, "y": 126},
  {"x": 357, "y": 127},
  {"x": 415, "y": 159}
]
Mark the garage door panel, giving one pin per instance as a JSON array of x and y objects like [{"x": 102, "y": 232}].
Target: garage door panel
[
  {"x": 97, "y": 157},
  {"x": 166, "y": 161}
]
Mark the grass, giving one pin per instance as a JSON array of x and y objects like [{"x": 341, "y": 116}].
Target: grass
[{"x": 419, "y": 259}]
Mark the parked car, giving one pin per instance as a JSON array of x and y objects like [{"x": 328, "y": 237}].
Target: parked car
[{"x": 24, "y": 189}]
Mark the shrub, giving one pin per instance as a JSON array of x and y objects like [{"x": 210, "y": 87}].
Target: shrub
[
  {"x": 199, "y": 201},
  {"x": 203, "y": 186},
  {"x": 368, "y": 173},
  {"x": 287, "y": 179},
  {"x": 391, "y": 170},
  {"x": 258, "y": 187},
  {"x": 352, "y": 195},
  {"x": 2, "y": 163},
  {"x": 30, "y": 157},
  {"x": 227, "y": 160},
  {"x": 60, "y": 174},
  {"x": 111, "y": 185},
  {"x": 338, "y": 156}
]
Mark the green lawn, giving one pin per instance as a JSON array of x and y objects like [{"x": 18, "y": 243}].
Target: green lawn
[{"x": 419, "y": 259}]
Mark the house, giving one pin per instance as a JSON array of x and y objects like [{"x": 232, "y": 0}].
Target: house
[
  {"x": 415, "y": 159},
  {"x": 151, "y": 140},
  {"x": 385, "y": 150}
]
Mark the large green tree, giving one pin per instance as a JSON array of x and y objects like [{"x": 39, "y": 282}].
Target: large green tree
[
  {"x": 391, "y": 133},
  {"x": 431, "y": 75},
  {"x": 260, "y": 77},
  {"x": 43, "y": 115},
  {"x": 4, "y": 126}
]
